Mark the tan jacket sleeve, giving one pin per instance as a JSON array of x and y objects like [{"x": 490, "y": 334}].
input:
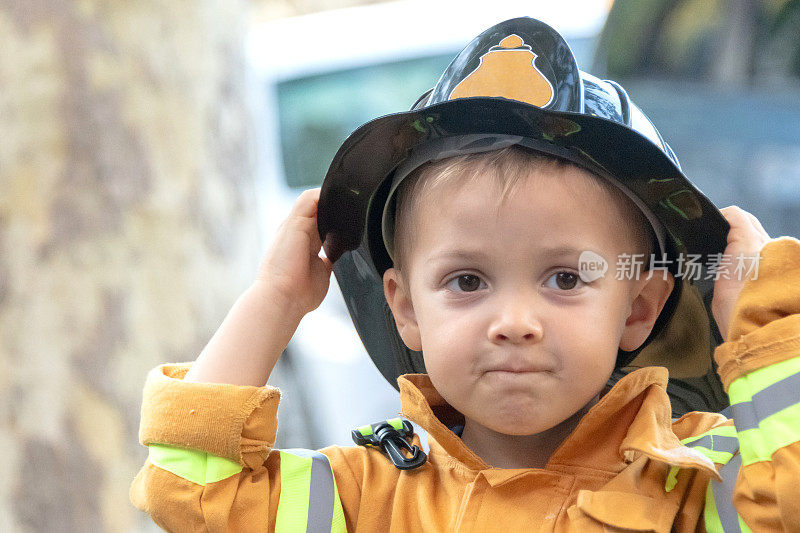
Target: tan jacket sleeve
[
  {"x": 760, "y": 368},
  {"x": 211, "y": 466}
]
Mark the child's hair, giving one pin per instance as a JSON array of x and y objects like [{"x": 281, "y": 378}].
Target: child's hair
[{"x": 508, "y": 166}]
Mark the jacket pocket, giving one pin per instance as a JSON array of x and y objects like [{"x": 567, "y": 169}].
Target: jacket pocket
[{"x": 624, "y": 510}]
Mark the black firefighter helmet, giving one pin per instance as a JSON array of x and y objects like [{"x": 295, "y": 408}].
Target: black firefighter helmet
[{"x": 518, "y": 83}]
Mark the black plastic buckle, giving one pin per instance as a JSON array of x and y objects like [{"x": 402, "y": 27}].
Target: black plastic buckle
[{"x": 390, "y": 436}]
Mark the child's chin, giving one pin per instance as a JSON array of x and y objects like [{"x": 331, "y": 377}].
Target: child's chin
[{"x": 521, "y": 427}]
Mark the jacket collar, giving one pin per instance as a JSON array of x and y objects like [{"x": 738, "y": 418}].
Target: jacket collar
[{"x": 632, "y": 419}]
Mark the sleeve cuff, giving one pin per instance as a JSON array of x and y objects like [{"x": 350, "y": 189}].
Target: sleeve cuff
[
  {"x": 237, "y": 422},
  {"x": 766, "y": 318},
  {"x": 770, "y": 344}
]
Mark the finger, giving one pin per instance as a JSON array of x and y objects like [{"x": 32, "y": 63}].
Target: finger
[
  {"x": 738, "y": 216},
  {"x": 742, "y": 224},
  {"x": 757, "y": 224},
  {"x": 308, "y": 227},
  {"x": 735, "y": 215},
  {"x": 316, "y": 242},
  {"x": 306, "y": 204}
]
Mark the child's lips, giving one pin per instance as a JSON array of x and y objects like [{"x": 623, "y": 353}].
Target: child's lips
[{"x": 513, "y": 367}]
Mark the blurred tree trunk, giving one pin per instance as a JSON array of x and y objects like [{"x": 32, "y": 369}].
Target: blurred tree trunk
[
  {"x": 737, "y": 43},
  {"x": 127, "y": 229}
]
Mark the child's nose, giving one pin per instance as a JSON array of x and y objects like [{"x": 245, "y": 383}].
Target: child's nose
[{"x": 516, "y": 323}]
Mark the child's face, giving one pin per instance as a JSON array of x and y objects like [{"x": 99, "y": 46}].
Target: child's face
[{"x": 511, "y": 336}]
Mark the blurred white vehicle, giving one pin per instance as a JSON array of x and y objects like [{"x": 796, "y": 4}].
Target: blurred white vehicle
[{"x": 317, "y": 78}]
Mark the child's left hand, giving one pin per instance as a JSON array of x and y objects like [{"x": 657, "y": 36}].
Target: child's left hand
[{"x": 746, "y": 238}]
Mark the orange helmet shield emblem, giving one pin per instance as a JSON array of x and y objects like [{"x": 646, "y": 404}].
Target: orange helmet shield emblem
[{"x": 507, "y": 70}]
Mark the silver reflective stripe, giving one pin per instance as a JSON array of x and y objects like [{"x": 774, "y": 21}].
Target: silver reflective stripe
[
  {"x": 718, "y": 443},
  {"x": 322, "y": 494},
  {"x": 775, "y": 398},
  {"x": 723, "y": 494}
]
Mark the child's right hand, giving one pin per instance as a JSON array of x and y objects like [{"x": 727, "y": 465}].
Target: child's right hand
[
  {"x": 291, "y": 281},
  {"x": 292, "y": 269}
]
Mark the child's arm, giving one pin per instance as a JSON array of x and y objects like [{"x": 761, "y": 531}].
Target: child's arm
[
  {"x": 210, "y": 426},
  {"x": 760, "y": 367},
  {"x": 292, "y": 281}
]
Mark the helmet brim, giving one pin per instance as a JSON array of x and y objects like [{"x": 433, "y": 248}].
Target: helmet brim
[{"x": 373, "y": 151}]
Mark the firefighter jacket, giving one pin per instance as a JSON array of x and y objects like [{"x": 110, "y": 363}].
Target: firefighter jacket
[{"x": 627, "y": 465}]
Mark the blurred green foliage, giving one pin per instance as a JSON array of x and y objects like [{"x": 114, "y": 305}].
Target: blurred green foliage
[{"x": 748, "y": 41}]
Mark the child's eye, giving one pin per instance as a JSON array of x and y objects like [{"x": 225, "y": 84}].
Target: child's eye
[
  {"x": 564, "y": 280},
  {"x": 465, "y": 283}
]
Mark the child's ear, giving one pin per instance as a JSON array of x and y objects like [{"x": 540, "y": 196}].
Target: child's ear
[
  {"x": 399, "y": 299},
  {"x": 649, "y": 297}
]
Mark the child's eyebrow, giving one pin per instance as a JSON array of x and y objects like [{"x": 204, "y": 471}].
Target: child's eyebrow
[
  {"x": 457, "y": 253},
  {"x": 562, "y": 251},
  {"x": 544, "y": 252}
]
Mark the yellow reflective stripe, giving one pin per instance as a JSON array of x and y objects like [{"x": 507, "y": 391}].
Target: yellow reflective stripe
[
  {"x": 742, "y": 389},
  {"x": 718, "y": 444},
  {"x": 338, "y": 524},
  {"x": 766, "y": 402},
  {"x": 292, "y": 515},
  {"x": 202, "y": 468},
  {"x": 743, "y": 526},
  {"x": 710, "y": 514},
  {"x": 722, "y": 492},
  {"x": 196, "y": 466},
  {"x": 772, "y": 433},
  {"x": 766, "y": 425},
  {"x": 722, "y": 431},
  {"x": 715, "y": 456},
  {"x": 672, "y": 478},
  {"x": 309, "y": 500},
  {"x": 713, "y": 521}
]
